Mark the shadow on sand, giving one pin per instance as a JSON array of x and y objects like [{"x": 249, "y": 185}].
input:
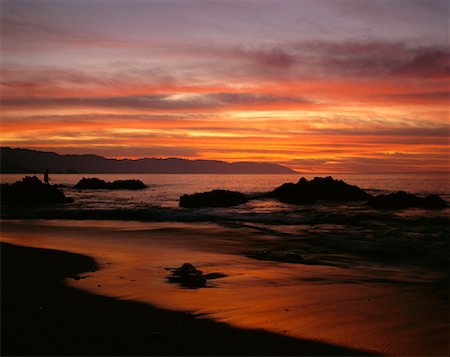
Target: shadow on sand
[{"x": 43, "y": 316}]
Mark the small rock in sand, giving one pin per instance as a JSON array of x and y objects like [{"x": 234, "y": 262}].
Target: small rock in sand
[{"x": 189, "y": 276}]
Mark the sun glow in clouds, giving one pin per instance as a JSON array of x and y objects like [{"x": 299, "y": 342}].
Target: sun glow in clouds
[{"x": 368, "y": 92}]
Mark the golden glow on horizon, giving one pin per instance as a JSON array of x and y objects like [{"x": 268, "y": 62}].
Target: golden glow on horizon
[{"x": 310, "y": 100}]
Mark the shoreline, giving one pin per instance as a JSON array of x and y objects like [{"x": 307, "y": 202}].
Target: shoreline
[
  {"x": 41, "y": 315},
  {"x": 382, "y": 309}
]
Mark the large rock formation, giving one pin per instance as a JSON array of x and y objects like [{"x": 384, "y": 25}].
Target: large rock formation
[
  {"x": 30, "y": 192},
  {"x": 98, "y": 184},
  {"x": 327, "y": 188},
  {"x": 401, "y": 199},
  {"x": 215, "y": 198}
]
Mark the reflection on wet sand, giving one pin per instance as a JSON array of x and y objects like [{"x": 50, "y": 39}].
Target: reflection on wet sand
[{"x": 390, "y": 311}]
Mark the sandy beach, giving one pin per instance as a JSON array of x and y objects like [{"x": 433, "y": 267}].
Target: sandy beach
[
  {"x": 263, "y": 307},
  {"x": 46, "y": 317}
]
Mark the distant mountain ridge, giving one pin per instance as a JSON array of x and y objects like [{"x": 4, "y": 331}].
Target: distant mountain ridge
[{"x": 32, "y": 161}]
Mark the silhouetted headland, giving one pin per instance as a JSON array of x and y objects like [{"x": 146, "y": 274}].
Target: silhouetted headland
[
  {"x": 31, "y": 161},
  {"x": 30, "y": 192},
  {"x": 98, "y": 184},
  {"x": 41, "y": 315}
]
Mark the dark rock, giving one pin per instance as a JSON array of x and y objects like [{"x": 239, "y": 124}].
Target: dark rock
[
  {"x": 189, "y": 281},
  {"x": 190, "y": 277},
  {"x": 401, "y": 199},
  {"x": 212, "y": 276},
  {"x": 128, "y": 185},
  {"x": 91, "y": 183},
  {"x": 186, "y": 269},
  {"x": 31, "y": 192},
  {"x": 98, "y": 184},
  {"x": 215, "y": 198},
  {"x": 433, "y": 201},
  {"x": 286, "y": 257},
  {"x": 320, "y": 188}
]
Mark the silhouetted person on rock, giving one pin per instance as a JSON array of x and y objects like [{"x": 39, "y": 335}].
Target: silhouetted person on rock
[{"x": 46, "y": 178}]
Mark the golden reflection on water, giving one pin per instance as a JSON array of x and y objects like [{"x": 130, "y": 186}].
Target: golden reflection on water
[{"x": 315, "y": 302}]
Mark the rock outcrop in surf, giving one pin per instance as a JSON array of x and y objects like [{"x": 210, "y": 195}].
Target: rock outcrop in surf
[
  {"x": 31, "y": 192},
  {"x": 98, "y": 184},
  {"x": 215, "y": 198},
  {"x": 319, "y": 188}
]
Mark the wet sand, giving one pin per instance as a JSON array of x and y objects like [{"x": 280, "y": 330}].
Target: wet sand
[
  {"x": 339, "y": 307},
  {"x": 43, "y": 316}
]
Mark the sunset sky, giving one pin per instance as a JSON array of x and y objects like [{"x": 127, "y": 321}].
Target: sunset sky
[{"x": 319, "y": 86}]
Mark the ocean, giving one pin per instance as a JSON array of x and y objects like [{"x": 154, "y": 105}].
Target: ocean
[
  {"x": 417, "y": 236},
  {"x": 350, "y": 255}
]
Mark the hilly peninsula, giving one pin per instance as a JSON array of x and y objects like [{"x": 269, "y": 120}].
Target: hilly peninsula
[{"x": 31, "y": 161}]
